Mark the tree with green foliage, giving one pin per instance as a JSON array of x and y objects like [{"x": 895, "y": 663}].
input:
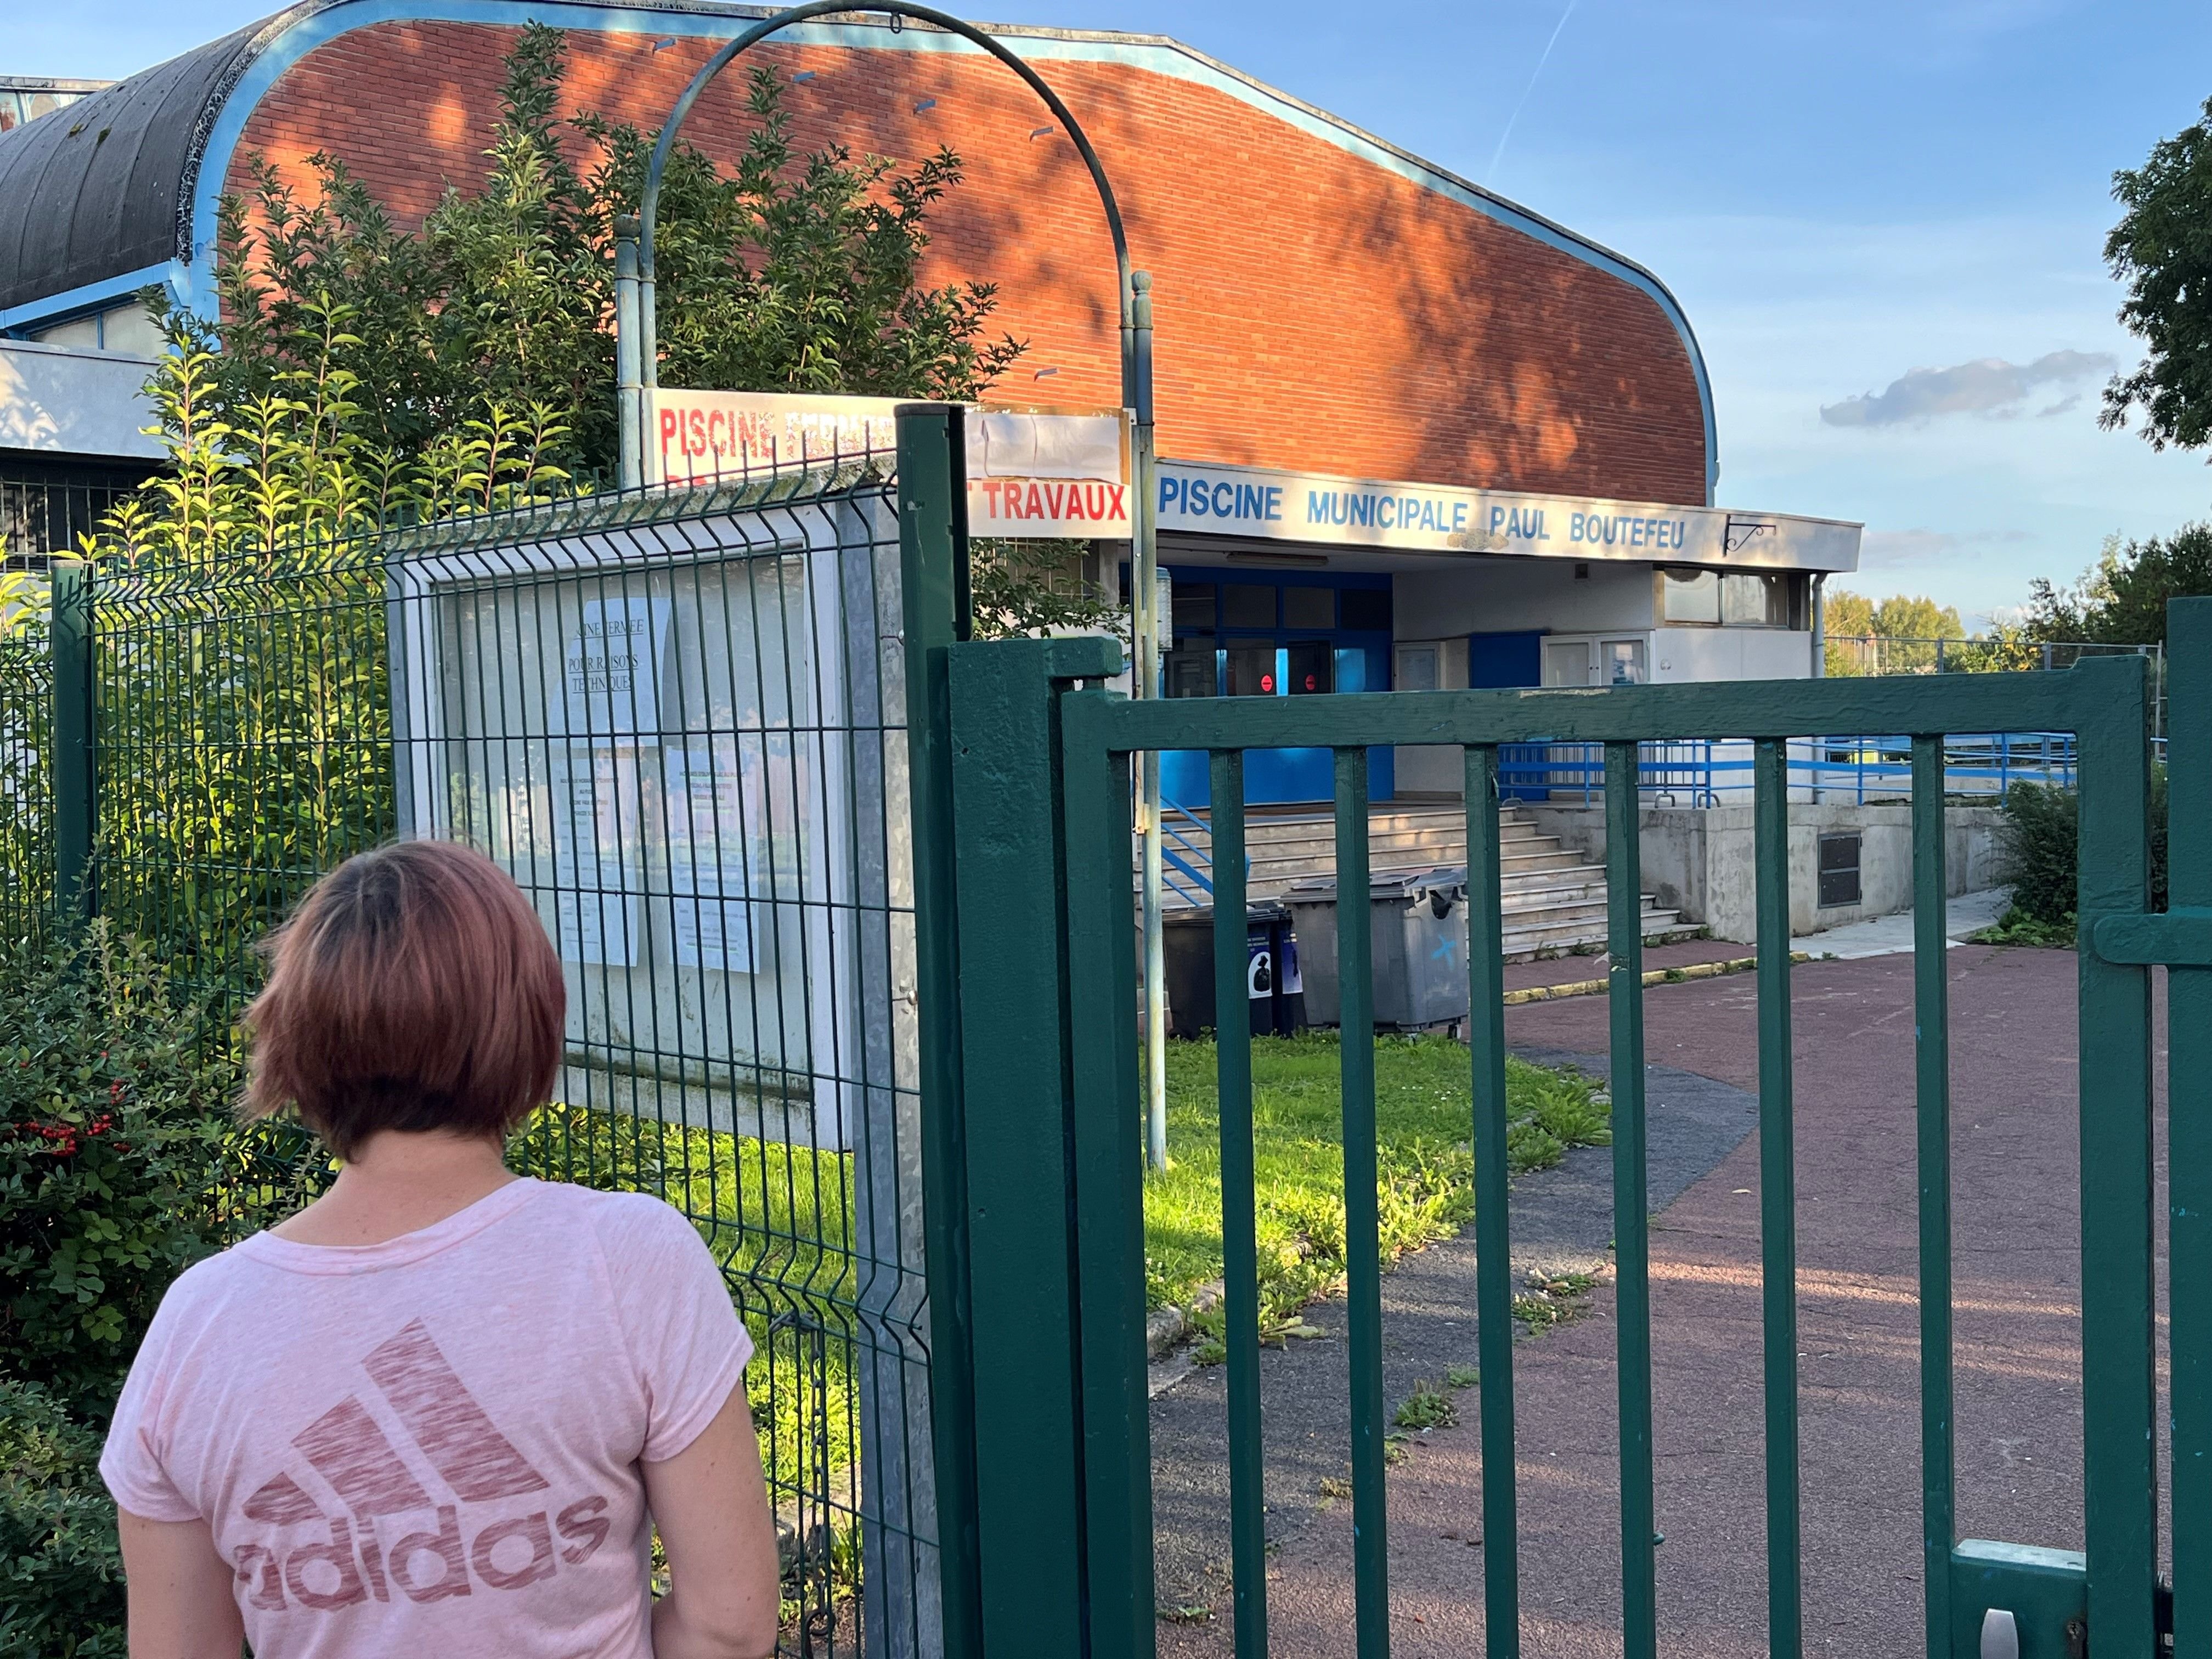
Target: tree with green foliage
[
  {"x": 2162, "y": 250},
  {"x": 2121, "y": 599},
  {"x": 384, "y": 350},
  {"x": 1893, "y": 636},
  {"x": 355, "y": 372}
]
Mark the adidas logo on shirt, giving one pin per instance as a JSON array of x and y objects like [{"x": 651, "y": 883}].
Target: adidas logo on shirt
[{"x": 375, "y": 1499}]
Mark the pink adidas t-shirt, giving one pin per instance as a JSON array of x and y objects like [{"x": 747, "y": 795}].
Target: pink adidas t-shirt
[{"x": 431, "y": 1445}]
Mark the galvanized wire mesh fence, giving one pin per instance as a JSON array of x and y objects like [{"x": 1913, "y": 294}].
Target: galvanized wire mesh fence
[
  {"x": 679, "y": 722},
  {"x": 27, "y": 785}
]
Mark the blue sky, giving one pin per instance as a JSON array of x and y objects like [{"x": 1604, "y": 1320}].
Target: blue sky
[{"x": 1840, "y": 194}]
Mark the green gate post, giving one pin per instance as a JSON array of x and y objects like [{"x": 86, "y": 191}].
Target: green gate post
[
  {"x": 1017, "y": 1086},
  {"x": 2119, "y": 1336},
  {"x": 76, "y": 781},
  {"x": 932, "y": 527},
  {"x": 2189, "y": 1116}
]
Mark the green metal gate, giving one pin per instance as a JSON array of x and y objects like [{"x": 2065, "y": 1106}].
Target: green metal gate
[{"x": 1038, "y": 1263}]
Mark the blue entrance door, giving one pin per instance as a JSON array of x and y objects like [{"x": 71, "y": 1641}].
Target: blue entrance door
[
  {"x": 1499, "y": 662},
  {"x": 1260, "y": 635}
]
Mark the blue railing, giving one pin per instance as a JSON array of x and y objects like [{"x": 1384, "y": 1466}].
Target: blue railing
[
  {"x": 1856, "y": 769},
  {"x": 1186, "y": 868}
]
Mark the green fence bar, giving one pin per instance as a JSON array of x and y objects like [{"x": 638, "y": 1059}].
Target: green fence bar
[
  {"x": 1363, "y": 1248},
  {"x": 1932, "y": 1091},
  {"x": 1247, "y": 1525},
  {"x": 2118, "y": 1380},
  {"x": 1632, "y": 1231},
  {"x": 74, "y": 785},
  {"x": 1777, "y": 1198},
  {"x": 2189, "y": 1121},
  {"x": 1493, "y": 1269},
  {"x": 1107, "y": 1154},
  {"x": 927, "y": 559}
]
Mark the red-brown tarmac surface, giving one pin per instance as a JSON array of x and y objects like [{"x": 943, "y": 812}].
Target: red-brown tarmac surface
[{"x": 2019, "y": 1416}]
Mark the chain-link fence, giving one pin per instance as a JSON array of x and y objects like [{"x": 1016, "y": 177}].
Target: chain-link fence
[{"x": 679, "y": 722}]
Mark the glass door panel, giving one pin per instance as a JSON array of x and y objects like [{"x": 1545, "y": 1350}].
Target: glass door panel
[
  {"x": 1566, "y": 662},
  {"x": 1312, "y": 667}
]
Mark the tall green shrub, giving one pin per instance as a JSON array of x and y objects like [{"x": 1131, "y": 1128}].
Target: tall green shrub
[
  {"x": 2041, "y": 849},
  {"x": 115, "y": 1143},
  {"x": 61, "y": 1573},
  {"x": 119, "y": 1167}
]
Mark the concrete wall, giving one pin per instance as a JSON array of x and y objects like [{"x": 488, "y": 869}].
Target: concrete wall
[
  {"x": 1729, "y": 653},
  {"x": 1700, "y": 862},
  {"x": 1487, "y": 595},
  {"x": 1490, "y": 595},
  {"x": 63, "y": 401}
]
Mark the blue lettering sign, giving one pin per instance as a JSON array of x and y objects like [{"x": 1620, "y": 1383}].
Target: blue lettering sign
[
  {"x": 1170, "y": 490},
  {"x": 1274, "y": 503}
]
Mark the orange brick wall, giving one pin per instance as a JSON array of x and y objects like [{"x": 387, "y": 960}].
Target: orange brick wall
[{"x": 1314, "y": 310}]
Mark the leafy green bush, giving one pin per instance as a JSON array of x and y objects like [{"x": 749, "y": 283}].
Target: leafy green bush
[
  {"x": 115, "y": 1138},
  {"x": 2041, "y": 830},
  {"x": 119, "y": 1167},
  {"x": 61, "y": 1574},
  {"x": 2040, "y": 843}
]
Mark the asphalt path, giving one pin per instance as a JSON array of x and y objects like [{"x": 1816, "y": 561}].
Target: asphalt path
[{"x": 2017, "y": 1312}]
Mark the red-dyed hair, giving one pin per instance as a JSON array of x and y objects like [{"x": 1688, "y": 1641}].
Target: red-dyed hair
[{"x": 415, "y": 989}]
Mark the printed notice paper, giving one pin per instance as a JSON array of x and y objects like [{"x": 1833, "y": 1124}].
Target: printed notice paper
[
  {"x": 595, "y": 846},
  {"x": 611, "y": 668},
  {"x": 714, "y": 809}
]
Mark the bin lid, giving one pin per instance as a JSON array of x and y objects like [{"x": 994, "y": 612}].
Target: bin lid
[
  {"x": 1449, "y": 878},
  {"x": 1196, "y": 915}
]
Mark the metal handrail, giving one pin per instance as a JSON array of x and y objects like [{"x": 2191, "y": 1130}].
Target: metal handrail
[{"x": 1704, "y": 769}]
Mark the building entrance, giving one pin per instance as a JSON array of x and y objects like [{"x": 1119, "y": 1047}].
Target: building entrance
[{"x": 1266, "y": 634}]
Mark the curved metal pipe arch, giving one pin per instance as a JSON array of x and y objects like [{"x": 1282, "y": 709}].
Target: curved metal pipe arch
[{"x": 1132, "y": 392}]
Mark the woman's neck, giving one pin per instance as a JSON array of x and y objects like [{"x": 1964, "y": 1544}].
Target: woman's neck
[{"x": 396, "y": 1184}]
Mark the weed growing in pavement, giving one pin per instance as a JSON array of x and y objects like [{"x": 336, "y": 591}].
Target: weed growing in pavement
[
  {"x": 1427, "y": 1407},
  {"x": 1462, "y": 1377},
  {"x": 1551, "y": 1300}
]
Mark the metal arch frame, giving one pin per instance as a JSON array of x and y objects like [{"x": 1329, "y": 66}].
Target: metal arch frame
[
  {"x": 1133, "y": 294},
  {"x": 1132, "y": 391}
]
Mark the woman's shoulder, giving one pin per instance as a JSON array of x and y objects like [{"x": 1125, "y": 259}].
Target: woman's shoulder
[{"x": 622, "y": 1221}]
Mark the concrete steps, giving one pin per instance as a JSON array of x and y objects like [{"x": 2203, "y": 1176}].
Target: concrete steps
[{"x": 1555, "y": 900}]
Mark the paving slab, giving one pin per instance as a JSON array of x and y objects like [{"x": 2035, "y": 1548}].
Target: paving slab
[{"x": 2017, "y": 1312}]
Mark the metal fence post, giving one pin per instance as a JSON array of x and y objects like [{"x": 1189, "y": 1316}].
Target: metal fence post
[
  {"x": 1017, "y": 1086},
  {"x": 76, "y": 779},
  {"x": 932, "y": 529}
]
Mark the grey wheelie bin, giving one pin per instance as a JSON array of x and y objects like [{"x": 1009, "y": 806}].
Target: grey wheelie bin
[{"x": 1417, "y": 921}]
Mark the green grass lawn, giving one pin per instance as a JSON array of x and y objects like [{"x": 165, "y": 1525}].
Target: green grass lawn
[
  {"x": 1424, "y": 1104},
  {"x": 779, "y": 1217}
]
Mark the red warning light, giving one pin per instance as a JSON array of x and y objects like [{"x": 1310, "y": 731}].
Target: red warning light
[
  {"x": 1312, "y": 683},
  {"x": 1266, "y": 682}
]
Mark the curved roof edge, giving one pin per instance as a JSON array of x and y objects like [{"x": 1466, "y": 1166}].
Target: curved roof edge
[{"x": 255, "y": 56}]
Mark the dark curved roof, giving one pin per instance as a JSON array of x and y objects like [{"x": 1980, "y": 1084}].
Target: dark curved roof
[{"x": 104, "y": 186}]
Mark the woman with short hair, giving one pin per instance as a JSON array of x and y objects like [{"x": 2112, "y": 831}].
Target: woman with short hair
[{"x": 442, "y": 1410}]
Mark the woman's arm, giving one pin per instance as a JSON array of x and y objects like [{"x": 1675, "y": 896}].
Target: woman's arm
[
  {"x": 181, "y": 1606},
  {"x": 709, "y": 1503}
]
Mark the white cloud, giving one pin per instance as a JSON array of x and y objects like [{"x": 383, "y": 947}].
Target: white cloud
[{"x": 1987, "y": 387}]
